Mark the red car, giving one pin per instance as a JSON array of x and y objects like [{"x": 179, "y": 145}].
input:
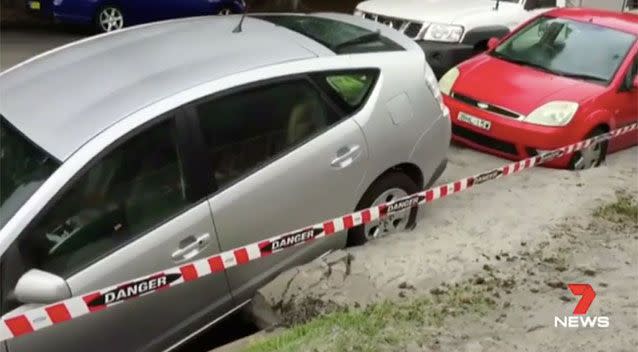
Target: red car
[{"x": 561, "y": 77}]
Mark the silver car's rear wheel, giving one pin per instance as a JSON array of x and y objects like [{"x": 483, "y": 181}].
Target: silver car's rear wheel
[
  {"x": 389, "y": 187},
  {"x": 392, "y": 223},
  {"x": 110, "y": 18}
]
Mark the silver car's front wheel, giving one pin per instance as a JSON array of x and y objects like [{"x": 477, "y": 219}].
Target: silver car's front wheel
[{"x": 110, "y": 18}]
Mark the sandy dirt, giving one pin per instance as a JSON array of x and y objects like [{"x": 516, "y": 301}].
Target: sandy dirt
[
  {"x": 527, "y": 235},
  {"x": 579, "y": 250}
]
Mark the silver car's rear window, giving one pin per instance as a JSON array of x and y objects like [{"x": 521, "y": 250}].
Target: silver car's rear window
[{"x": 340, "y": 37}]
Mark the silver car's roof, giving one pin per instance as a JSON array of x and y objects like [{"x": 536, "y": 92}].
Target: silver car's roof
[{"x": 68, "y": 96}]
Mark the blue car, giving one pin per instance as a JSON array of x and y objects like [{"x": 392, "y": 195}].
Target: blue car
[{"x": 110, "y": 15}]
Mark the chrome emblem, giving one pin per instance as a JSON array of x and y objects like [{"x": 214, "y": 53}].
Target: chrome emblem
[{"x": 482, "y": 105}]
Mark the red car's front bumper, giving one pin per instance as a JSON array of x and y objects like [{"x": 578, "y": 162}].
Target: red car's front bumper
[{"x": 510, "y": 138}]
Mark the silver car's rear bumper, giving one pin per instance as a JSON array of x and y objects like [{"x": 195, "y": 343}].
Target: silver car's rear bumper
[{"x": 437, "y": 173}]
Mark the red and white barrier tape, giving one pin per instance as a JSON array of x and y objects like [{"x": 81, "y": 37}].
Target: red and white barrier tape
[{"x": 69, "y": 309}]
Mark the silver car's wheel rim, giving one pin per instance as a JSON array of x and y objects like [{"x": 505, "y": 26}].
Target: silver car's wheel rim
[
  {"x": 589, "y": 157},
  {"x": 224, "y": 12},
  {"x": 392, "y": 223},
  {"x": 111, "y": 19}
]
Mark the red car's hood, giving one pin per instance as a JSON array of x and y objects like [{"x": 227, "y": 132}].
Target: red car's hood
[{"x": 518, "y": 88}]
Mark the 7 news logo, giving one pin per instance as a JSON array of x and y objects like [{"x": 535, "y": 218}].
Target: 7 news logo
[{"x": 580, "y": 317}]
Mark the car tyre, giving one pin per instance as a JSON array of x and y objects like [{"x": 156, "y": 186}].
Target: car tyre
[
  {"x": 109, "y": 18},
  {"x": 389, "y": 187},
  {"x": 592, "y": 156},
  {"x": 225, "y": 11}
]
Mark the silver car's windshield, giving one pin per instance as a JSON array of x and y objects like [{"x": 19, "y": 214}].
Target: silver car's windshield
[{"x": 23, "y": 168}]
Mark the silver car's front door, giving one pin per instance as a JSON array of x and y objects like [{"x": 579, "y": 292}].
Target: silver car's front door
[
  {"x": 149, "y": 323},
  {"x": 129, "y": 214},
  {"x": 283, "y": 159}
]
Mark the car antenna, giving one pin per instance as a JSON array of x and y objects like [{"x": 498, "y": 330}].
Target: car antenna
[{"x": 238, "y": 29}]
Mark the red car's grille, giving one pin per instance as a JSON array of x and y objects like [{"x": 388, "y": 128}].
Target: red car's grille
[
  {"x": 485, "y": 141},
  {"x": 485, "y": 106}
]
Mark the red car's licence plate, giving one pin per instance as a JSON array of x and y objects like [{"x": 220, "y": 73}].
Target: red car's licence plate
[{"x": 474, "y": 121}]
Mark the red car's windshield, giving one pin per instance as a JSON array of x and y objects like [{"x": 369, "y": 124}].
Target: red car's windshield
[{"x": 568, "y": 48}]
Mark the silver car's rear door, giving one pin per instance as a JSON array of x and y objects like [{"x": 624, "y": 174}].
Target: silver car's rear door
[{"x": 283, "y": 159}]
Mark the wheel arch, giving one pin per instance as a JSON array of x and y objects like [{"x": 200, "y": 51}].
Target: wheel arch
[
  {"x": 409, "y": 169},
  {"x": 600, "y": 118},
  {"x": 603, "y": 126},
  {"x": 99, "y": 5}
]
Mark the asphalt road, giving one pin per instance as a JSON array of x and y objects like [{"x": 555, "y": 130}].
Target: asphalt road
[{"x": 19, "y": 45}]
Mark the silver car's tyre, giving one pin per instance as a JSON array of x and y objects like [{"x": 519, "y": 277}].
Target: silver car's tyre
[
  {"x": 388, "y": 188},
  {"x": 592, "y": 156},
  {"x": 109, "y": 18}
]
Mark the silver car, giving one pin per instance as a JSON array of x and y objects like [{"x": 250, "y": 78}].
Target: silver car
[{"x": 132, "y": 152}]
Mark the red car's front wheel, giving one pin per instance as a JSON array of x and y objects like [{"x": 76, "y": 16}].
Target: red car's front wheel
[{"x": 591, "y": 156}]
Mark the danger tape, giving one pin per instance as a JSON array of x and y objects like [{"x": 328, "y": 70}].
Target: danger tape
[{"x": 75, "y": 307}]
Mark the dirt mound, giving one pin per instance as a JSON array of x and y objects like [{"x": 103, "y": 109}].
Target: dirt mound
[{"x": 521, "y": 240}]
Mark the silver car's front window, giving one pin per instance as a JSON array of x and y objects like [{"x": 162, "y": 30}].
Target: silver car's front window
[
  {"x": 122, "y": 195},
  {"x": 23, "y": 168}
]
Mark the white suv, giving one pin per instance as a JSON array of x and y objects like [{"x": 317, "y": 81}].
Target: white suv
[{"x": 451, "y": 31}]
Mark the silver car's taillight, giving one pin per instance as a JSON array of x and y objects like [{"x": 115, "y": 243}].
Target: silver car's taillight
[{"x": 433, "y": 85}]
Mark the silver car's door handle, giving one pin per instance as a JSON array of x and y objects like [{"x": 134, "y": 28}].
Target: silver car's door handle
[
  {"x": 190, "y": 247},
  {"x": 346, "y": 156}
]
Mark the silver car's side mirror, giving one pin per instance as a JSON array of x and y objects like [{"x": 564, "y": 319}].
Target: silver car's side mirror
[{"x": 37, "y": 286}]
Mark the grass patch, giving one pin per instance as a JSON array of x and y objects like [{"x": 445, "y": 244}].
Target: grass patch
[
  {"x": 623, "y": 211},
  {"x": 381, "y": 326}
]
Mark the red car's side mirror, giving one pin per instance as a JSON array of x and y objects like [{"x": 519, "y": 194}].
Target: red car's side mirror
[{"x": 492, "y": 43}]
